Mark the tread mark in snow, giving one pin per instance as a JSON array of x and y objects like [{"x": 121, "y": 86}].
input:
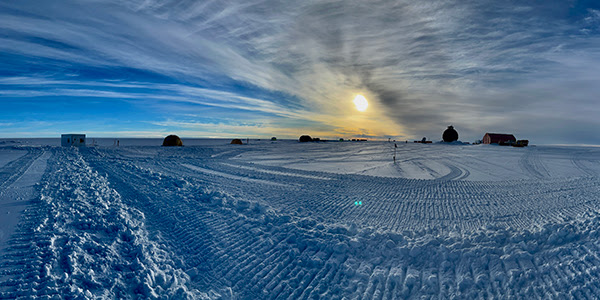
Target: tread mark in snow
[{"x": 409, "y": 239}]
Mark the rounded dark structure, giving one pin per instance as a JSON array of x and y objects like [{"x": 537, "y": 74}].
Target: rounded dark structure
[
  {"x": 450, "y": 135},
  {"x": 236, "y": 142},
  {"x": 305, "y": 138},
  {"x": 172, "y": 140}
]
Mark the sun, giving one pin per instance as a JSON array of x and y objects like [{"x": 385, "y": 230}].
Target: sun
[{"x": 361, "y": 103}]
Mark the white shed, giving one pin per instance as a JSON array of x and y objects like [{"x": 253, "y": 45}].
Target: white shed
[{"x": 67, "y": 140}]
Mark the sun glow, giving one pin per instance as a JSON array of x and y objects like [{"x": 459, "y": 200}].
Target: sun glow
[{"x": 361, "y": 103}]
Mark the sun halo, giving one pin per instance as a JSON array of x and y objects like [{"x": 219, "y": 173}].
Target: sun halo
[{"x": 361, "y": 103}]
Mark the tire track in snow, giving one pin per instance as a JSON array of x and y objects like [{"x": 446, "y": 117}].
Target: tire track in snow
[
  {"x": 14, "y": 200},
  {"x": 532, "y": 164},
  {"x": 286, "y": 249},
  {"x": 82, "y": 242},
  {"x": 251, "y": 258},
  {"x": 137, "y": 191},
  {"x": 578, "y": 160},
  {"x": 456, "y": 173},
  {"x": 463, "y": 169},
  {"x": 263, "y": 170},
  {"x": 10, "y": 172},
  {"x": 231, "y": 176}
]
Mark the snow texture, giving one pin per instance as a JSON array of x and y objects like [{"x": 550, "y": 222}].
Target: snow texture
[{"x": 278, "y": 220}]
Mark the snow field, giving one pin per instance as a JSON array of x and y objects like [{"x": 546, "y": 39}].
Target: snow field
[
  {"x": 307, "y": 240},
  {"x": 82, "y": 241},
  {"x": 265, "y": 222}
]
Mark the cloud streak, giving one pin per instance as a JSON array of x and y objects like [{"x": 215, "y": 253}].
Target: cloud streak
[{"x": 479, "y": 65}]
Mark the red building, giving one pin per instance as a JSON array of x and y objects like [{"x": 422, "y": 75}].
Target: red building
[{"x": 499, "y": 138}]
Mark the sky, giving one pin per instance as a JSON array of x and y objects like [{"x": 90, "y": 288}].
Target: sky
[{"x": 257, "y": 69}]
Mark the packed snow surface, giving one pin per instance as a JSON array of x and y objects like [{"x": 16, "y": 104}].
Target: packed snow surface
[{"x": 288, "y": 220}]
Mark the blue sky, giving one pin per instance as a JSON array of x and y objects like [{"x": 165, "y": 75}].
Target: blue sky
[{"x": 275, "y": 68}]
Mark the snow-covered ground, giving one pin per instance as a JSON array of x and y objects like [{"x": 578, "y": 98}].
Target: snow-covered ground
[{"x": 288, "y": 220}]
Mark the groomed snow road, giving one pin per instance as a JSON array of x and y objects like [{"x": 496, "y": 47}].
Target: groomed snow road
[{"x": 281, "y": 221}]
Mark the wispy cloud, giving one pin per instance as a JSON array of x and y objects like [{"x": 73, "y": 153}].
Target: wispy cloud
[{"x": 480, "y": 65}]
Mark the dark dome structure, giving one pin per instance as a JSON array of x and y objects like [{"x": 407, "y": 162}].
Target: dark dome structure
[
  {"x": 305, "y": 138},
  {"x": 172, "y": 140},
  {"x": 450, "y": 135},
  {"x": 236, "y": 142}
]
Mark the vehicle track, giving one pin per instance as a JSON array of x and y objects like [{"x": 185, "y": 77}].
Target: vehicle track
[
  {"x": 531, "y": 163},
  {"x": 279, "y": 255},
  {"x": 415, "y": 202},
  {"x": 15, "y": 169},
  {"x": 304, "y": 237},
  {"x": 456, "y": 173},
  {"x": 78, "y": 240},
  {"x": 579, "y": 158}
]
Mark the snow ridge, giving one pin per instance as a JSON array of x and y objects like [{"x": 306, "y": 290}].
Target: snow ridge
[{"x": 86, "y": 233}]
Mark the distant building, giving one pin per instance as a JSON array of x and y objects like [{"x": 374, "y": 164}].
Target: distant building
[
  {"x": 305, "y": 138},
  {"x": 450, "y": 134},
  {"x": 424, "y": 141},
  {"x": 521, "y": 143},
  {"x": 499, "y": 138},
  {"x": 68, "y": 140},
  {"x": 172, "y": 141}
]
